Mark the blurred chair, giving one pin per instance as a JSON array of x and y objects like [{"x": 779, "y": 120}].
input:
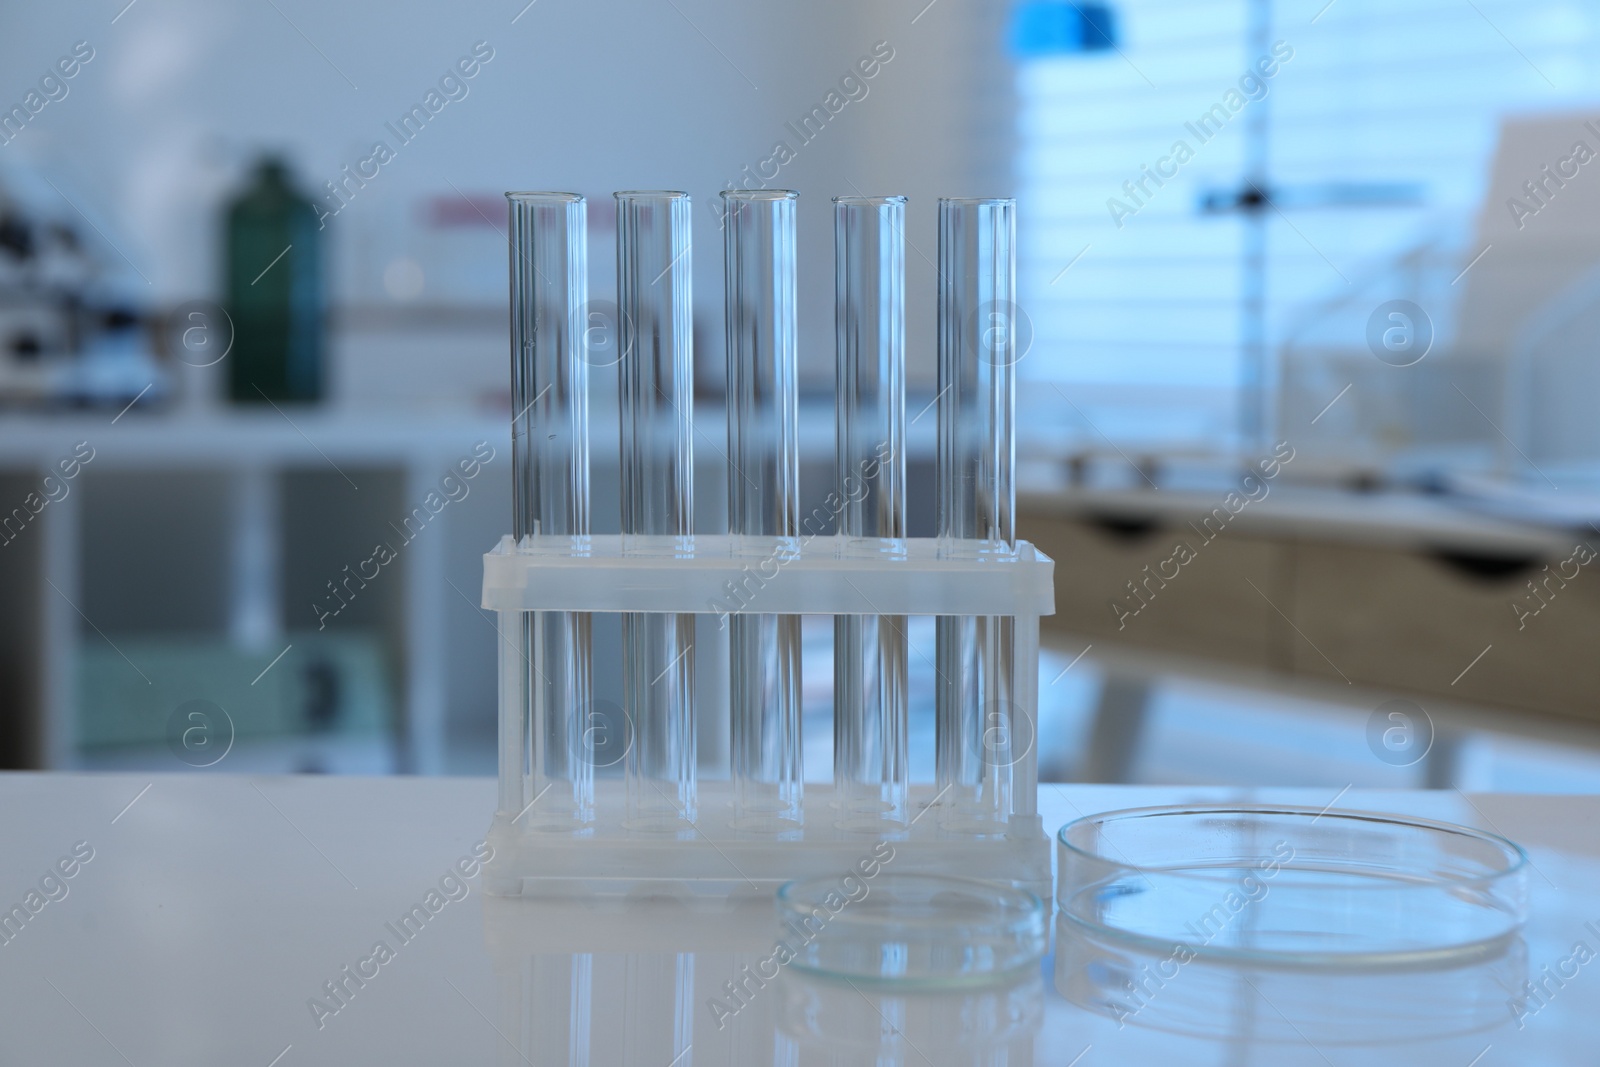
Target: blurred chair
[{"x": 1500, "y": 358}]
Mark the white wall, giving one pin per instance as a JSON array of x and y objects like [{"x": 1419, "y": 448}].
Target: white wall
[{"x": 590, "y": 96}]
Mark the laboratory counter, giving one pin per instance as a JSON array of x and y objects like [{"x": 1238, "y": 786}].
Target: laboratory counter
[
  {"x": 209, "y": 918},
  {"x": 1441, "y": 598}
]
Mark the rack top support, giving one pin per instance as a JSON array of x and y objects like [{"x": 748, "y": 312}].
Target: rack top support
[{"x": 723, "y": 574}]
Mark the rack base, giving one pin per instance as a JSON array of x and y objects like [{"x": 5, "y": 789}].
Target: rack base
[{"x": 713, "y": 860}]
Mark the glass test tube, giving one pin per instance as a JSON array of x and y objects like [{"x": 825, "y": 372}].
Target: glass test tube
[
  {"x": 869, "y": 652},
  {"x": 763, "y": 501},
  {"x": 975, "y": 500},
  {"x": 656, "y": 395},
  {"x": 550, "y": 488}
]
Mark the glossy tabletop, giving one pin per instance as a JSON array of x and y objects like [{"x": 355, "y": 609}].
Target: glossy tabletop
[{"x": 282, "y": 921}]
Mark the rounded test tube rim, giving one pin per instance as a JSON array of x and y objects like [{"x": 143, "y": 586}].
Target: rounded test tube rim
[
  {"x": 870, "y": 200},
  {"x": 566, "y": 198},
  {"x": 760, "y": 195}
]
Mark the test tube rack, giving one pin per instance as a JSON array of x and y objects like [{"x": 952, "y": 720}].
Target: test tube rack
[
  {"x": 560, "y": 827},
  {"x": 670, "y": 575}
]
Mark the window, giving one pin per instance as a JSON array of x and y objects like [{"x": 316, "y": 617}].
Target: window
[{"x": 1158, "y": 293}]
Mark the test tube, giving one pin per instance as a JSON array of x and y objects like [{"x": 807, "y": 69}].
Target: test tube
[
  {"x": 763, "y": 501},
  {"x": 869, "y": 651},
  {"x": 656, "y": 397},
  {"x": 550, "y": 496},
  {"x": 975, "y": 501}
]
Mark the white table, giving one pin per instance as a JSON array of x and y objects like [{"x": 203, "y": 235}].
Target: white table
[{"x": 216, "y": 906}]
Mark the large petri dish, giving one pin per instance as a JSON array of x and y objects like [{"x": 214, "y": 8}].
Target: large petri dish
[
  {"x": 1292, "y": 886},
  {"x": 913, "y": 931}
]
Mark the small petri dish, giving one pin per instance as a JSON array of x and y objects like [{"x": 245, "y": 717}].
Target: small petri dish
[
  {"x": 1292, "y": 886},
  {"x": 912, "y": 931}
]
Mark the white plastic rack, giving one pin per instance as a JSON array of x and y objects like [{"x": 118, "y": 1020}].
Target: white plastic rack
[{"x": 827, "y": 576}]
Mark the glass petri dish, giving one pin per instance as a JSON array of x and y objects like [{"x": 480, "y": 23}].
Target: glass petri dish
[
  {"x": 833, "y": 1022},
  {"x": 1292, "y": 886},
  {"x": 1379, "y": 1007},
  {"x": 915, "y": 931}
]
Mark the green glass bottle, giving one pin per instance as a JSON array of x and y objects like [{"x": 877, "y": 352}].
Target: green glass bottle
[{"x": 274, "y": 291}]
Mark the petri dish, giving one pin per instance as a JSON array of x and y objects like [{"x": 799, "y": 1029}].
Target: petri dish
[
  {"x": 1378, "y": 1007},
  {"x": 838, "y": 1023},
  {"x": 1292, "y": 886},
  {"x": 914, "y": 931}
]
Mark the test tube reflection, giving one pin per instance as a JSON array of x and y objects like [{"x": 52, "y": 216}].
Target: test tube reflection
[
  {"x": 656, "y": 397},
  {"x": 763, "y": 500},
  {"x": 550, "y": 489},
  {"x": 869, "y": 666},
  {"x": 975, "y": 504}
]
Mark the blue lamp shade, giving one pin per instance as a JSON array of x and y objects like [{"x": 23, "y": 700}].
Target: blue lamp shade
[{"x": 1059, "y": 27}]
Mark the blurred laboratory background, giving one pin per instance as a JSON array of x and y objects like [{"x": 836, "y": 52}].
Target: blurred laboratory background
[{"x": 1310, "y": 292}]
